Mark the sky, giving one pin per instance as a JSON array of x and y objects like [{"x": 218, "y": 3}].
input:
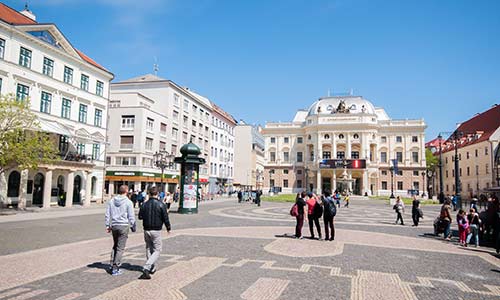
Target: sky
[{"x": 261, "y": 60}]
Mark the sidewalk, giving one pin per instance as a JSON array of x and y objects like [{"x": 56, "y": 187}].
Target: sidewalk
[{"x": 35, "y": 213}]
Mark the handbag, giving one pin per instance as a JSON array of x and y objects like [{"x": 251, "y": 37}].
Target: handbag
[{"x": 294, "y": 211}]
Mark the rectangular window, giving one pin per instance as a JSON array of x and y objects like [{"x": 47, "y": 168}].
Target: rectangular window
[
  {"x": 327, "y": 155},
  {"x": 400, "y": 185},
  {"x": 312, "y": 155},
  {"x": 485, "y": 150},
  {"x": 415, "y": 173},
  {"x": 163, "y": 145},
  {"x": 446, "y": 173},
  {"x": 286, "y": 156},
  {"x": 185, "y": 121},
  {"x": 174, "y": 149},
  {"x": 384, "y": 185},
  {"x": 476, "y": 152},
  {"x": 299, "y": 184},
  {"x": 68, "y": 75},
  {"x": 82, "y": 114},
  {"x": 355, "y": 154},
  {"x": 45, "y": 102},
  {"x": 95, "y": 151},
  {"x": 163, "y": 128},
  {"x": 286, "y": 140},
  {"x": 66, "y": 108},
  {"x": 186, "y": 105},
  {"x": 399, "y": 156},
  {"x": 48, "y": 66},
  {"x": 468, "y": 155},
  {"x": 175, "y": 133},
  {"x": 108, "y": 160},
  {"x": 25, "y": 57},
  {"x": 99, "y": 88},
  {"x": 273, "y": 140},
  {"x": 468, "y": 171},
  {"x": 285, "y": 183},
  {"x": 300, "y": 140},
  {"x": 84, "y": 82},
  {"x": 477, "y": 170},
  {"x": 272, "y": 156},
  {"x": 80, "y": 149},
  {"x": 383, "y": 157},
  {"x": 399, "y": 139},
  {"x": 126, "y": 142},
  {"x": 340, "y": 154},
  {"x": 299, "y": 157},
  {"x": 175, "y": 115},
  {"x": 285, "y": 171},
  {"x": 487, "y": 170},
  {"x": 414, "y": 139},
  {"x": 128, "y": 122},
  {"x": 176, "y": 99},
  {"x": 383, "y": 139},
  {"x": 149, "y": 144},
  {"x": 414, "y": 157},
  {"x": 383, "y": 172},
  {"x": 399, "y": 173},
  {"x": 2, "y": 48},
  {"x": 22, "y": 92},
  {"x": 150, "y": 123},
  {"x": 416, "y": 185},
  {"x": 63, "y": 144},
  {"x": 98, "y": 118}
]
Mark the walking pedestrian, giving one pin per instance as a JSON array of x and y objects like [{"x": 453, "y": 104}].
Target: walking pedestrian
[
  {"x": 454, "y": 202},
  {"x": 168, "y": 201},
  {"x": 346, "y": 199},
  {"x": 299, "y": 201},
  {"x": 134, "y": 198},
  {"x": 176, "y": 195},
  {"x": 445, "y": 218},
  {"x": 474, "y": 224},
  {"x": 329, "y": 212},
  {"x": 311, "y": 216},
  {"x": 415, "y": 211},
  {"x": 257, "y": 197},
  {"x": 118, "y": 218},
  {"x": 153, "y": 214},
  {"x": 463, "y": 227},
  {"x": 399, "y": 207},
  {"x": 240, "y": 196}
]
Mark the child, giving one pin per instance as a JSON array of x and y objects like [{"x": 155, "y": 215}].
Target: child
[
  {"x": 346, "y": 200},
  {"x": 463, "y": 226}
]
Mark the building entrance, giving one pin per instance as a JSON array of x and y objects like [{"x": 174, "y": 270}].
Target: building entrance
[{"x": 38, "y": 183}]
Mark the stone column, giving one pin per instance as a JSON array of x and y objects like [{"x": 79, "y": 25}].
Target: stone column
[
  {"x": 318, "y": 182},
  {"x": 348, "y": 146},
  {"x": 47, "y": 189},
  {"x": 112, "y": 188},
  {"x": 88, "y": 189},
  {"x": 334, "y": 181},
  {"x": 366, "y": 188},
  {"x": 350, "y": 182},
  {"x": 334, "y": 146},
  {"x": 70, "y": 180},
  {"x": 22, "y": 189},
  {"x": 3, "y": 192}
]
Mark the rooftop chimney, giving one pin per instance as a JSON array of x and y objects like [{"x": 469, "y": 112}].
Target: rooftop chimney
[{"x": 28, "y": 13}]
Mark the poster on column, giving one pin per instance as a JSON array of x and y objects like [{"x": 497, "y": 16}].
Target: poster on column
[{"x": 189, "y": 196}]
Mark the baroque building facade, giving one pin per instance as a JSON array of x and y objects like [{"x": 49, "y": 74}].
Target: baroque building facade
[
  {"x": 68, "y": 92},
  {"x": 345, "y": 143}
]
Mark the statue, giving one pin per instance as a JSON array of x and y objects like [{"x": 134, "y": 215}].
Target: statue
[{"x": 342, "y": 109}]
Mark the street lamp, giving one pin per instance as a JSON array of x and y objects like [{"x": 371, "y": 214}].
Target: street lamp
[
  {"x": 441, "y": 193},
  {"x": 163, "y": 160},
  {"x": 391, "y": 168},
  {"x": 423, "y": 184}
]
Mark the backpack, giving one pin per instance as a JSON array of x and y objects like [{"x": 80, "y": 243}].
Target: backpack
[
  {"x": 318, "y": 210},
  {"x": 294, "y": 211},
  {"x": 330, "y": 207}
]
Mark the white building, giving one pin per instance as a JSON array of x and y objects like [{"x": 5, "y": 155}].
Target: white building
[
  {"x": 148, "y": 114},
  {"x": 221, "y": 151},
  {"x": 69, "y": 93},
  {"x": 249, "y": 157},
  {"x": 309, "y": 152}
]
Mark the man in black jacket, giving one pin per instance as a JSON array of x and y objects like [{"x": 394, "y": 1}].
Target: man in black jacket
[{"x": 153, "y": 214}]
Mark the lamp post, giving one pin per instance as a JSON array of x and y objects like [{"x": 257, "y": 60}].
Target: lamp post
[
  {"x": 441, "y": 193},
  {"x": 163, "y": 160},
  {"x": 423, "y": 184},
  {"x": 457, "y": 174},
  {"x": 391, "y": 168}
]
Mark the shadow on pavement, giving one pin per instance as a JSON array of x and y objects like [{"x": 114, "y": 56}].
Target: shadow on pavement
[{"x": 106, "y": 267}]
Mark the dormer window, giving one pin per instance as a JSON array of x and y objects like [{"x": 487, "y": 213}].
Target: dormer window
[
  {"x": 329, "y": 108},
  {"x": 327, "y": 136},
  {"x": 356, "y": 136},
  {"x": 341, "y": 136}
]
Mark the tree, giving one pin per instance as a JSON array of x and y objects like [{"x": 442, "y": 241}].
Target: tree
[
  {"x": 431, "y": 160},
  {"x": 22, "y": 144}
]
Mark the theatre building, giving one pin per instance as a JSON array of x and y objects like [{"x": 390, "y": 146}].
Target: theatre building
[{"x": 345, "y": 143}]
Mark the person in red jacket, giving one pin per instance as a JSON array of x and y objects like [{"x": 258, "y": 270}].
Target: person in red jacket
[{"x": 311, "y": 216}]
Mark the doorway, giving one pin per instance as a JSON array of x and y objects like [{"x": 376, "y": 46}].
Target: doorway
[
  {"x": 38, "y": 184},
  {"x": 327, "y": 184},
  {"x": 77, "y": 186}
]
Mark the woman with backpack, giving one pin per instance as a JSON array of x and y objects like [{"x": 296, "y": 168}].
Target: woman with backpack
[
  {"x": 314, "y": 212},
  {"x": 298, "y": 212},
  {"x": 329, "y": 212},
  {"x": 399, "y": 207}
]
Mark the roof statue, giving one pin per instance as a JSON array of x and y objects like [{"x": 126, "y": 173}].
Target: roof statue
[{"x": 341, "y": 108}]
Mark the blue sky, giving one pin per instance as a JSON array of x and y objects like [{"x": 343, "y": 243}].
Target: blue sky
[{"x": 262, "y": 60}]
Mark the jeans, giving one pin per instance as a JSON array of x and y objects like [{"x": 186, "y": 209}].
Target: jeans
[
  {"x": 153, "y": 247},
  {"x": 120, "y": 236},
  {"x": 447, "y": 228},
  {"x": 329, "y": 226},
  {"x": 474, "y": 231},
  {"x": 313, "y": 219},
  {"x": 298, "y": 227}
]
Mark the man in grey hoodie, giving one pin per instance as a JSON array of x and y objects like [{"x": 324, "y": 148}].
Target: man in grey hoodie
[{"x": 119, "y": 216}]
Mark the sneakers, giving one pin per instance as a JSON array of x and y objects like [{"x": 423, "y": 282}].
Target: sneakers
[
  {"x": 145, "y": 274},
  {"x": 153, "y": 270},
  {"x": 116, "y": 272}
]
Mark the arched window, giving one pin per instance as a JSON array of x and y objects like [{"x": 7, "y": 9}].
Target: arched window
[
  {"x": 13, "y": 184},
  {"x": 327, "y": 136},
  {"x": 356, "y": 136},
  {"x": 341, "y": 136},
  {"x": 93, "y": 186},
  {"x": 329, "y": 108},
  {"x": 309, "y": 137}
]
